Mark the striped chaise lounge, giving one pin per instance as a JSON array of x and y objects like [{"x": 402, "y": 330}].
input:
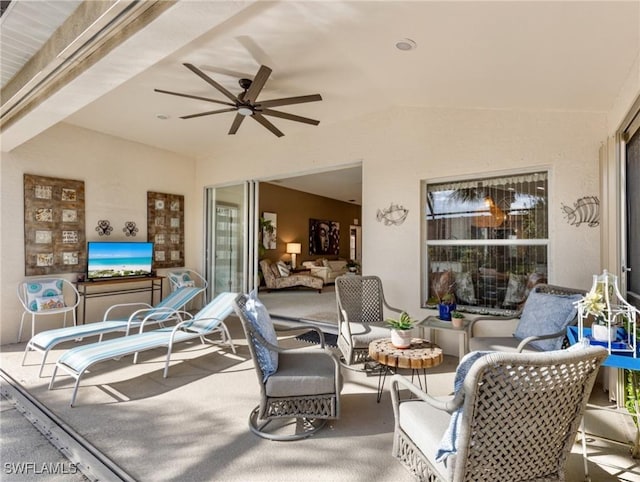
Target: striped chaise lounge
[
  {"x": 207, "y": 321},
  {"x": 165, "y": 310}
]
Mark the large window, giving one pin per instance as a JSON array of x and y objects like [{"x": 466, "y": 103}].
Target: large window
[{"x": 486, "y": 240}]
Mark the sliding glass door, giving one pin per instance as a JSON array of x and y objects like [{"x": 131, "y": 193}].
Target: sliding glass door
[
  {"x": 631, "y": 206},
  {"x": 230, "y": 239}
]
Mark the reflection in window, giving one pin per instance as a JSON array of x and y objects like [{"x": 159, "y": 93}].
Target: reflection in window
[{"x": 486, "y": 240}]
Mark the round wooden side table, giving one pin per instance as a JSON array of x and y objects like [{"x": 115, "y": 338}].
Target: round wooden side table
[{"x": 420, "y": 355}]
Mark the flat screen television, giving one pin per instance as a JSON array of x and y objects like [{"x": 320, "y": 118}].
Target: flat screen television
[{"x": 119, "y": 259}]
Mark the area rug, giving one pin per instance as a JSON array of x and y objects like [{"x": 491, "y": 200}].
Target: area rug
[{"x": 312, "y": 337}]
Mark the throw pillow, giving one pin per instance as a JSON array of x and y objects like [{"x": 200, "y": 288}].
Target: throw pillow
[
  {"x": 544, "y": 314},
  {"x": 41, "y": 289},
  {"x": 283, "y": 269},
  {"x": 182, "y": 280},
  {"x": 465, "y": 292},
  {"x": 274, "y": 269},
  {"x": 259, "y": 318},
  {"x": 50, "y": 302},
  {"x": 515, "y": 290},
  {"x": 449, "y": 443}
]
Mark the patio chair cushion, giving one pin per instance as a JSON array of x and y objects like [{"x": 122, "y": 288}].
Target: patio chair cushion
[
  {"x": 546, "y": 313},
  {"x": 259, "y": 317},
  {"x": 302, "y": 374},
  {"x": 425, "y": 436}
]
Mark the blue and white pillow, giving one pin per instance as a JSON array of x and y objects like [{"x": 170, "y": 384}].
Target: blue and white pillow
[
  {"x": 38, "y": 289},
  {"x": 449, "y": 443},
  {"x": 179, "y": 280},
  {"x": 260, "y": 319},
  {"x": 546, "y": 313}
]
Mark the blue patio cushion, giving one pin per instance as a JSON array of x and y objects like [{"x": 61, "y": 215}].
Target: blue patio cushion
[
  {"x": 212, "y": 314},
  {"x": 544, "y": 314},
  {"x": 50, "y": 338},
  {"x": 260, "y": 319}
]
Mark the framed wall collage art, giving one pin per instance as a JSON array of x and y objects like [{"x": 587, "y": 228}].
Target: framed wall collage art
[
  {"x": 54, "y": 220},
  {"x": 165, "y": 228}
]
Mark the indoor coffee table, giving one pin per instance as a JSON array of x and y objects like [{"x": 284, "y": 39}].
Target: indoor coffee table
[{"x": 420, "y": 355}]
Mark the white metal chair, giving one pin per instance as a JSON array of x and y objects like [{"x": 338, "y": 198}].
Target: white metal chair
[
  {"x": 361, "y": 315},
  {"x": 514, "y": 416},
  {"x": 46, "y": 297}
]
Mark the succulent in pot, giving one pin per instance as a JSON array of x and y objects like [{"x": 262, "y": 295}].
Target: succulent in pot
[
  {"x": 401, "y": 327},
  {"x": 457, "y": 319}
]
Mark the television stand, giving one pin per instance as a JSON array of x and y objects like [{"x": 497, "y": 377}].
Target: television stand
[{"x": 99, "y": 288}]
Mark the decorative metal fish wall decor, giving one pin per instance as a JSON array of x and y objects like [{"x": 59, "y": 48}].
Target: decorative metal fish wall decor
[
  {"x": 584, "y": 210},
  {"x": 394, "y": 215}
]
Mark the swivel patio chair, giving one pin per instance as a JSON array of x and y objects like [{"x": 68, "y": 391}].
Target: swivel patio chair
[
  {"x": 541, "y": 326},
  {"x": 302, "y": 385},
  {"x": 514, "y": 416},
  {"x": 46, "y": 297},
  {"x": 361, "y": 315}
]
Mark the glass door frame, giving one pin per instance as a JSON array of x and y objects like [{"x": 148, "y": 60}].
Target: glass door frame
[
  {"x": 248, "y": 212},
  {"x": 631, "y": 127}
]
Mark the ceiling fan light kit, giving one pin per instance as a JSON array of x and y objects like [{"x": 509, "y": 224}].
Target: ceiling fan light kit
[{"x": 246, "y": 104}]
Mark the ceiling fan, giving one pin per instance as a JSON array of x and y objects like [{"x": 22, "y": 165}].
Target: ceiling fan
[{"x": 246, "y": 103}]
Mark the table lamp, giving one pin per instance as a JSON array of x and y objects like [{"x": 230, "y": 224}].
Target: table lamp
[{"x": 293, "y": 249}]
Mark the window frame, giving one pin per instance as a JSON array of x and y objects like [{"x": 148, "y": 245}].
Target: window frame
[{"x": 425, "y": 243}]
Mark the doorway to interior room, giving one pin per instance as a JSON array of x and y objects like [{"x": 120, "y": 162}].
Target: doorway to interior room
[{"x": 233, "y": 240}]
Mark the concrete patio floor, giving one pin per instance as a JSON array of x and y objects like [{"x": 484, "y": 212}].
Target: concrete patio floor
[{"x": 192, "y": 426}]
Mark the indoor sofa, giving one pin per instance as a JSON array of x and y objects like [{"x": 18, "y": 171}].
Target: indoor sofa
[
  {"x": 275, "y": 280},
  {"x": 326, "y": 269}
]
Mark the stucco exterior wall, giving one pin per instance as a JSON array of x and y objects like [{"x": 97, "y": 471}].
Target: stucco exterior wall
[
  {"x": 401, "y": 147},
  {"x": 398, "y": 148},
  {"x": 117, "y": 175}
]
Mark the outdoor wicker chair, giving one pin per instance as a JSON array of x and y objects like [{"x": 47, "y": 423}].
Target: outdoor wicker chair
[
  {"x": 299, "y": 384},
  {"x": 361, "y": 315},
  {"x": 514, "y": 416},
  {"x": 541, "y": 325}
]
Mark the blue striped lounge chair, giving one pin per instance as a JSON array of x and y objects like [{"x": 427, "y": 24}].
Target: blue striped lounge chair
[
  {"x": 207, "y": 321},
  {"x": 162, "y": 312}
]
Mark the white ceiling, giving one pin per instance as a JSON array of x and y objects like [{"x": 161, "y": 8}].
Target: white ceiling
[{"x": 488, "y": 55}]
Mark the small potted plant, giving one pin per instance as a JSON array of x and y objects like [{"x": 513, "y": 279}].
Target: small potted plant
[
  {"x": 457, "y": 319},
  {"x": 353, "y": 266},
  {"x": 401, "y": 327}
]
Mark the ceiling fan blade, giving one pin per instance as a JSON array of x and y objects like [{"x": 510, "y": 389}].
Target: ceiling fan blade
[
  {"x": 285, "y": 115},
  {"x": 210, "y": 112},
  {"x": 267, "y": 124},
  {"x": 212, "y": 82},
  {"x": 289, "y": 100},
  {"x": 197, "y": 97},
  {"x": 236, "y": 123},
  {"x": 258, "y": 83}
]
